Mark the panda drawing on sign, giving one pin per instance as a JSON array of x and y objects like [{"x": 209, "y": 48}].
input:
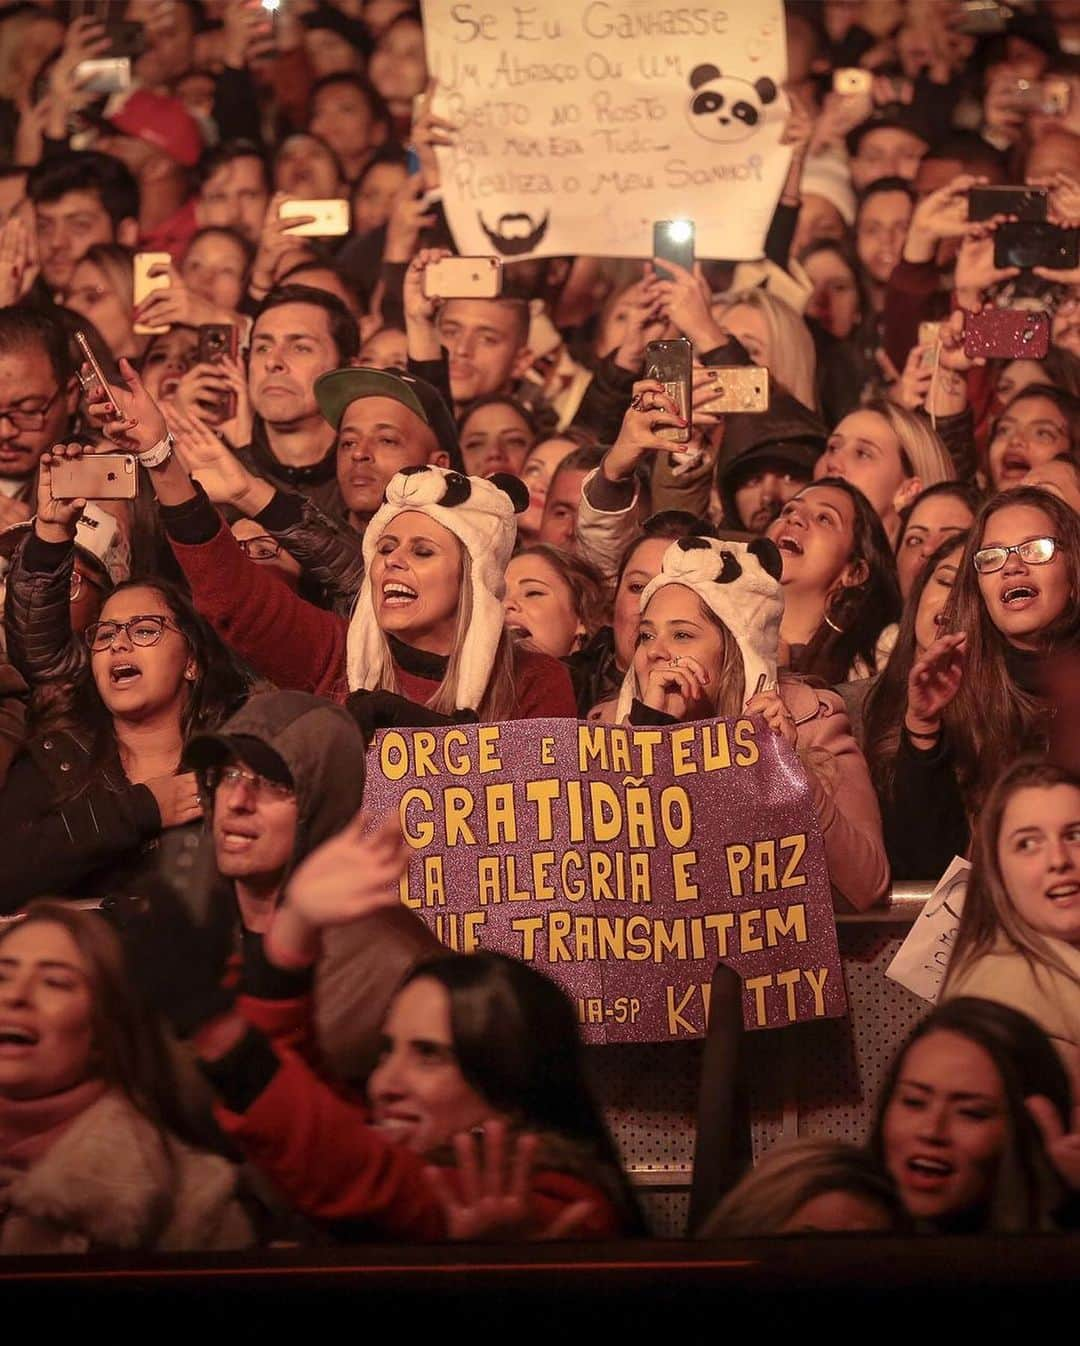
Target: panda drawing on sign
[{"x": 724, "y": 108}]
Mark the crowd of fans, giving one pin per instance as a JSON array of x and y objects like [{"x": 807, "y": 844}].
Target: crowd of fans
[{"x": 360, "y": 507}]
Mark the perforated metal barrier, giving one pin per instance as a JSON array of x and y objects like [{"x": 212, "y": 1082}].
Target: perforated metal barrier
[{"x": 814, "y": 1079}]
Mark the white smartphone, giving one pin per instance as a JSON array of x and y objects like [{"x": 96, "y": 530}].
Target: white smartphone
[
  {"x": 106, "y": 74},
  {"x": 463, "y": 278},
  {"x": 145, "y": 284},
  {"x": 331, "y": 217}
]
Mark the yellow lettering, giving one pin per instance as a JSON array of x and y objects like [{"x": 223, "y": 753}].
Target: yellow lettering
[
  {"x": 759, "y": 985},
  {"x": 474, "y": 923},
  {"x": 455, "y": 764},
  {"x": 559, "y": 923},
  {"x": 673, "y": 943},
  {"x": 394, "y": 756},
  {"x": 682, "y": 742},
  {"x": 675, "y": 1019},
  {"x": 720, "y": 923},
  {"x": 458, "y": 804},
  {"x": 640, "y": 829},
  {"x": 434, "y": 883},
  {"x": 592, "y": 747},
  {"x": 749, "y": 942},
  {"x": 640, "y": 878},
  {"x": 541, "y": 863},
  {"x": 638, "y": 946},
  {"x": 789, "y": 980},
  {"x": 645, "y": 740},
  {"x": 528, "y": 927},
  {"x": 600, "y": 870},
  {"x": 780, "y": 924},
  {"x": 717, "y": 754},
  {"x": 501, "y": 819},
  {"x": 488, "y": 880},
  {"x": 574, "y": 890},
  {"x": 817, "y": 985},
  {"x": 423, "y": 834},
  {"x": 543, "y": 794},
  {"x": 764, "y": 865},
  {"x": 686, "y": 890},
  {"x": 423, "y": 746},
  {"x": 744, "y": 737},
  {"x": 738, "y": 861},
  {"x": 585, "y": 938},
  {"x": 606, "y": 811},
  {"x": 797, "y": 846},
  {"x": 513, "y": 892},
  {"x": 487, "y": 741},
  {"x": 675, "y": 816}
]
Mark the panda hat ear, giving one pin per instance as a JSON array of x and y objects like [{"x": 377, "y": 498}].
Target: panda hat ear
[
  {"x": 514, "y": 487},
  {"x": 768, "y": 554},
  {"x": 702, "y": 74},
  {"x": 766, "y": 89}
]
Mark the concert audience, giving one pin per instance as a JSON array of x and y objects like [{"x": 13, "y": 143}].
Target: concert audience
[{"x": 372, "y": 497}]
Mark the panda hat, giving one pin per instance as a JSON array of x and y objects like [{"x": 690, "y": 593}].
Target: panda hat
[
  {"x": 481, "y": 512},
  {"x": 740, "y": 583}
]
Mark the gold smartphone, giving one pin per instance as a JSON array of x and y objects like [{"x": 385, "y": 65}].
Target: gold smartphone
[
  {"x": 331, "y": 217},
  {"x": 104, "y": 392},
  {"x": 463, "y": 278},
  {"x": 738, "y": 388},
  {"x": 97, "y": 476},
  {"x": 852, "y": 80},
  {"x": 145, "y": 285}
]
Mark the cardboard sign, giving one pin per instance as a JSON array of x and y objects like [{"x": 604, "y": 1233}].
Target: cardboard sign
[
  {"x": 624, "y": 862},
  {"x": 579, "y": 125},
  {"x": 922, "y": 960}
]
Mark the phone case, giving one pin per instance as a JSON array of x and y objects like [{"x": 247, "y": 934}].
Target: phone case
[
  {"x": 145, "y": 285},
  {"x": 331, "y": 217},
  {"x": 1026, "y": 203},
  {"x": 97, "y": 476},
  {"x": 739, "y": 389},
  {"x": 670, "y": 363},
  {"x": 1007, "y": 334},
  {"x": 104, "y": 74},
  {"x": 1028, "y": 245},
  {"x": 463, "y": 278}
]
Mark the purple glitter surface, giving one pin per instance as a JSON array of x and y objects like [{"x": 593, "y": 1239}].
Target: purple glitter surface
[{"x": 624, "y": 862}]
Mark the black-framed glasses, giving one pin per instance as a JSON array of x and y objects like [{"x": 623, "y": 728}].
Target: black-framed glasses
[
  {"x": 235, "y": 775},
  {"x": 261, "y": 548},
  {"x": 1035, "y": 552},
  {"x": 23, "y": 419},
  {"x": 139, "y": 630}
]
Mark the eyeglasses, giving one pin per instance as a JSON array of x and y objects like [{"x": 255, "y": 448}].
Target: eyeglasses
[
  {"x": 261, "y": 548},
  {"x": 263, "y": 788},
  {"x": 78, "y": 579},
  {"x": 1035, "y": 552},
  {"x": 139, "y": 630},
  {"x": 22, "y": 419}
]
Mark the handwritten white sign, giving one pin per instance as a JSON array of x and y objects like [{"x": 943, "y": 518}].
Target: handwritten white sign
[
  {"x": 923, "y": 959},
  {"x": 581, "y": 123}
]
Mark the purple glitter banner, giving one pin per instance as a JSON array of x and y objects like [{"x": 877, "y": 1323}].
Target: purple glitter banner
[{"x": 624, "y": 862}]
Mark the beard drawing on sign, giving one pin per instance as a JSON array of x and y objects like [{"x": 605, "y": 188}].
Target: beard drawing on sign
[
  {"x": 724, "y": 108},
  {"x": 515, "y": 235}
]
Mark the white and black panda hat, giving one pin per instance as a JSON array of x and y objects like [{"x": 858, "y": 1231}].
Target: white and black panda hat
[
  {"x": 740, "y": 583},
  {"x": 481, "y": 512}
]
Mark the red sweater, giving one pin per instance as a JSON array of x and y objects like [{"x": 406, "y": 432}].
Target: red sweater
[
  {"x": 316, "y": 1145},
  {"x": 297, "y": 645}
]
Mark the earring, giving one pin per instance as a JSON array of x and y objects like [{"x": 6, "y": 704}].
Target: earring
[{"x": 189, "y": 674}]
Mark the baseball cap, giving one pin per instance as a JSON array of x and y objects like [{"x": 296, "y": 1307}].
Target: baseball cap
[
  {"x": 161, "y": 121},
  {"x": 340, "y": 387}
]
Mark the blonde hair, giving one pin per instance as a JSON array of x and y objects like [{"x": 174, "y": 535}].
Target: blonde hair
[
  {"x": 792, "y": 357},
  {"x": 731, "y": 675},
  {"x": 500, "y": 695},
  {"x": 789, "y": 1176},
  {"x": 922, "y": 454},
  {"x": 115, "y": 263}
]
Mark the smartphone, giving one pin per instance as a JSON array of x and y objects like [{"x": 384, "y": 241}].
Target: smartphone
[
  {"x": 1028, "y": 245},
  {"x": 852, "y": 80},
  {"x": 671, "y": 363},
  {"x": 98, "y": 476},
  {"x": 743, "y": 388},
  {"x": 102, "y": 392},
  {"x": 146, "y": 284},
  {"x": 1007, "y": 334},
  {"x": 1056, "y": 97},
  {"x": 216, "y": 341},
  {"x": 1026, "y": 203},
  {"x": 673, "y": 241},
  {"x": 463, "y": 278},
  {"x": 104, "y": 74},
  {"x": 331, "y": 217},
  {"x": 929, "y": 336},
  {"x": 982, "y": 17},
  {"x": 126, "y": 38}
]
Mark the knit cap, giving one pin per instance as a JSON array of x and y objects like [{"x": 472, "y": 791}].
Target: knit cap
[
  {"x": 740, "y": 583},
  {"x": 481, "y": 513}
]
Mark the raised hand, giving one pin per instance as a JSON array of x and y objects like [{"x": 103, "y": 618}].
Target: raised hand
[
  {"x": 276, "y": 244},
  {"x": 178, "y": 304},
  {"x": 685, "y": 302},
  {"x": 1062, "y": 1147},
  {"x": 217, "y": 469},
  {"x": 770, "y": 706},
  {"x": 676, "y": 687},
  {"x": 493, "y": 1200},
  {"x": 645, "y": 322},
  {"x": 133, "y": 421},
  {"x": 650, "y": 410},
  {"x": 975, "y": 268},
  {"x": 429, "y": 131},
  {"x": 409, "y": 214},
  {"x": 933, "y": 682},
  {"x": 941, "y": 214},
  {"x": 56, "y": 519},
  {"x": 17, "y": 269}
]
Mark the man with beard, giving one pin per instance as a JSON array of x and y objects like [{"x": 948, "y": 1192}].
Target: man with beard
[{"x": 765, "y": 460}]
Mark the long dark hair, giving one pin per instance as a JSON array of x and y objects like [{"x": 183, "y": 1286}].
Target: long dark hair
[
  {"x": 989, "y": 913},
  {"x": 963, "y": 491},
  {"x": 857, "y": 614},
  {"x": 516, "y": 1042},
  {"x": 219, "y": 687},
  {"x": 131, "y": 1052},
  {"x": 886, "y": 701},
  {"x": 1026, "y": 1190},
  {"x": 992, "y": 719}
]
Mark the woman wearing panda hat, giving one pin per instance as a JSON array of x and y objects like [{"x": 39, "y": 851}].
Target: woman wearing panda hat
[
  {"x": 710, "y": 623},
  {"x": 427, "y": 633}
]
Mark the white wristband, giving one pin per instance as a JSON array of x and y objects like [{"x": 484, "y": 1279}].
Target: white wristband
[{"x": 160, "y": 453}]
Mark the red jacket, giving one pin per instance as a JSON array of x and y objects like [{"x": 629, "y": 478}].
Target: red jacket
[
  {"x": 297, "y": 645},
  {"x": 315, "y": 1144}
]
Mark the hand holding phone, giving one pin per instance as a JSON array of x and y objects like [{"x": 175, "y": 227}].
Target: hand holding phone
[
  {"x": 671, "y": 363},
  {"x": 1007, "y": 334},
  {"x": 673, "y": 241},
  {"x": 326, "y": 218},
  {"x": 463, "y": 278},
  {"x": 151, "y": 273}
]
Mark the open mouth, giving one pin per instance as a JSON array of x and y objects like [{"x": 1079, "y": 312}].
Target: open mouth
[
  {"x": 232, "y": 840},
  {"x": 1019, "y": 596},
  {"x": 791, "y": 545},
  {"x": 521, "y": 632},
  {"x": 14, "y": 1035},
  {"x": 397, "y": 1128},
  {"x": 1015, "y": 464},
  {"x": 123, "y": 675},
  {"x": 169, "y": 385},
  {"x": 928, "y": 1174},
  {"x": 397, "y": 595},
  {"x": 1063, "y": 892}
]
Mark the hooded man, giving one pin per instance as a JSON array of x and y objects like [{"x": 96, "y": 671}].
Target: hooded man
[{"x": 765, "y": 460}]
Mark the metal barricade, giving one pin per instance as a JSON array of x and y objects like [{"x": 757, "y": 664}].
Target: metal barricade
[{"x": 810, "y": 1079}]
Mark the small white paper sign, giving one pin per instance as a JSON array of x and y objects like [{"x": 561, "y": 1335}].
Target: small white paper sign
[
  {"x": 581, "y": 124},
  {"x": 923, "y": 959}
]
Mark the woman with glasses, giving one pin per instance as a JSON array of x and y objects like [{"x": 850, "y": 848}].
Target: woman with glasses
[
  {"x": 100, "y": 780},
  {"x": 977, "y": 698}
]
